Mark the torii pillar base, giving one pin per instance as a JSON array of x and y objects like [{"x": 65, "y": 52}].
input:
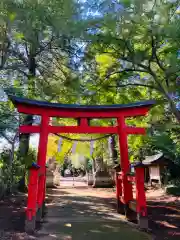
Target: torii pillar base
[
  {"x": 30, "y": 225},
  {"x": 142, "y": 221}
]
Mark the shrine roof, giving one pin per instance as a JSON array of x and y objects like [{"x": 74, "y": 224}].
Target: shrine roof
[
  {"x": 155, "y": 159},
  {"x": 44, "y": 104}
]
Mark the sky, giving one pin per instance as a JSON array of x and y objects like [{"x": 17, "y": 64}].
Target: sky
[{"x": 34, "y": 141}]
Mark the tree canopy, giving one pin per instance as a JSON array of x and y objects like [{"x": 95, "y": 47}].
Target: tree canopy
[{"x": 94, "y": 52}]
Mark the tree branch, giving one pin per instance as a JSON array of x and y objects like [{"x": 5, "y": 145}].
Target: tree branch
[
  {"x": 15, "y": 67},
  {"x": 20, "y": 56},
  {"x": 174, "y": 109},
  {"x": 154, "y": 53},
  {"x": 146, "y": 68},
  {"x": 4, "y": 52},
  {"x": 127, "y": 70},
  {"x": 26, "y": 48},
  {"x": 42, "y": 48},
  {"x": 6, "y": 137},
  {"x": 134, "y": 85}
]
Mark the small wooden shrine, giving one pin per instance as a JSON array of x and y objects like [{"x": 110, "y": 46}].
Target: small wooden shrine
[{"x": 156, "y": 168}]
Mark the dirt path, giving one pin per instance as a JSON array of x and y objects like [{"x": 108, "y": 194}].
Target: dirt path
[
  {"x": 86, "y": 213},
  {"x": 82, "y": 214},
  {"x": 163, "y": 212},
  {"x": 72, "y": 213}
]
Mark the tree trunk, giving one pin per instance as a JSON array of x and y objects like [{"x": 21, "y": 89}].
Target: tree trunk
[
  {"x": 114, "y": 153},
  {"x": 25, "y": 137},
  {"x": 101, "y": 177},
  {"x": 175, "y": 111},
  {"x": 93, "y": 166},
  {"x": 99, "y": 164}
]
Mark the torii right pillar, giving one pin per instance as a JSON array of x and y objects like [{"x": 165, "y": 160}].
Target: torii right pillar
[{"x": 124, "y": 189}]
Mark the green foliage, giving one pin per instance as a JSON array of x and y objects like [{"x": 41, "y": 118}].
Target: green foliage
[
  {"x": 36, "y": 50},
  {"x": 13, "y": 172},
  {"x": 133, "y": 57},
  {"x": 31, "y": 157},
  {"x": 137, "y": 50},
  {"x": 53, "y": 147},
  {"x": 167, "y": 144},
  {"x": 8, "y": 121}
]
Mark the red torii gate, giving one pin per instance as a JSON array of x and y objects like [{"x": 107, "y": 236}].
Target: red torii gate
[{"x": 37, "y": 178}]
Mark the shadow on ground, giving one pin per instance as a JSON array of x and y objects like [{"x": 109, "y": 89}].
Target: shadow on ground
[
  {"x": 81, "y": 217},
  {"x": 12, "y": 213},
  {"x": 77, "y": 217},
  {"x": 164, "y": 220}
]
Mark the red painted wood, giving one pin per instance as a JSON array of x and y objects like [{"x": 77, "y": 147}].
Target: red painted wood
[
  {"x": 125, "y": 164},
  {"x": 44, "y": 192},
  {"x": 83, "y": 128},
  {"x": 32, "y": 194},
  {"x": 83, "y": 122},
  {"x": 131, "y": 178},
  {"x": 118, "y": 187},
  {"x": 141, "y": 206},
  {"x": 43, "y": 140},
  {"x": 135, "y": 112},
  {"x": 120, "y": 176},
  {"x": 41, "y": 190},
  {"x": 135, "y": 130},
  {"x": 121, "y": 198},
  {"x": 29, "y": 129},
  {"x": 73, "y": 113}
]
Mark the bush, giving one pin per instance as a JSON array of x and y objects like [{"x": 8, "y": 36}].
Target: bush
[{"x": 14, "y": 173}]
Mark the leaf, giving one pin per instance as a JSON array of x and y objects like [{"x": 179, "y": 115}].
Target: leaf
[
  {"x": 19, "y": 36},
  {"x": 12, "y": 16}
]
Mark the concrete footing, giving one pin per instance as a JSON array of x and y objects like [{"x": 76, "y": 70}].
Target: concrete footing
[{"x": 30, "y": 225}]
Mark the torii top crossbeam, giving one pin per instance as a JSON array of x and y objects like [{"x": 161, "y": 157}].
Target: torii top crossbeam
[
  {"x": 82, "y": 112},
  {"x": 36, "y": 107}
]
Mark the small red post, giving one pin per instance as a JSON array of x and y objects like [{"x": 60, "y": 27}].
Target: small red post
[
  {"x": 40, "y": 198},
  {"x": 32, "y": 199},
  {"x": 141, "y": 206},
  {"x": 44, "y": 192},
  {"x": 43, "y": 140},
  {"x": 120, "y": 205},
  {"x": 118, "y": 185},
  {"x": 83, "y": 122},
  {"x": 125, "y": 165}
]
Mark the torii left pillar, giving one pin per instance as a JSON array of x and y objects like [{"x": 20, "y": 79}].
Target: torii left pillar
[{"x": 34, "y": 212}]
